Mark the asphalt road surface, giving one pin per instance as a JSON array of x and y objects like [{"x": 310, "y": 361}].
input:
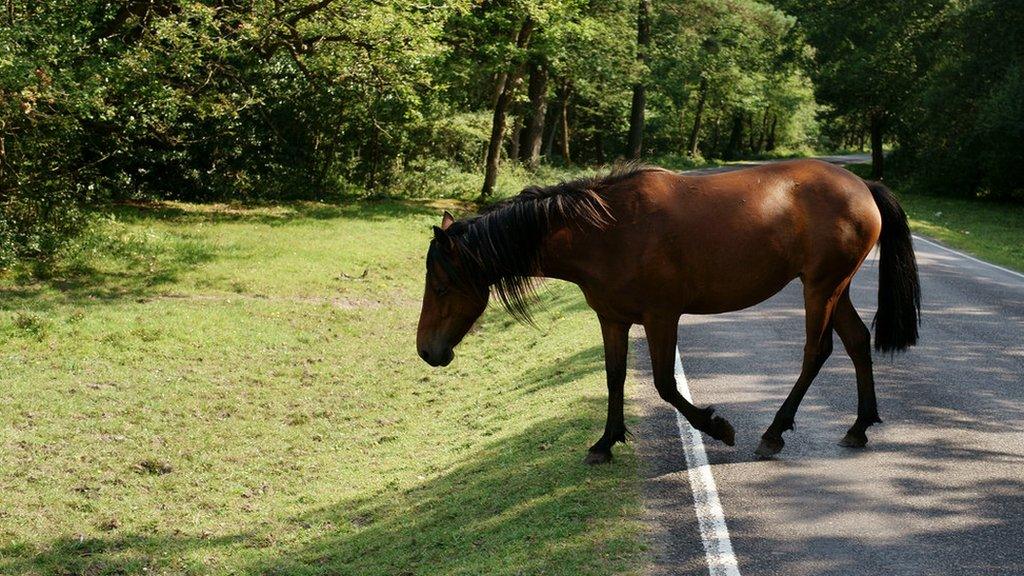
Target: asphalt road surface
[{"x": 940, "y": 487}]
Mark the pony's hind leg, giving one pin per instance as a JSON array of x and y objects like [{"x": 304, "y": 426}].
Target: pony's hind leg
[
  {"x": 819, "y": 303},
  {"x": 615, "y": 336},
  {"x": 857, "y": 341},
  {"x": 661, "y": 339}
]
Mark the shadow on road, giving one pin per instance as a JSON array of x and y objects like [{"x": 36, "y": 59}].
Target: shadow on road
[{"x": 939, "y": 489}]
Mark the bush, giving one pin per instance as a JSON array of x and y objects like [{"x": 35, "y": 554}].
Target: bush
[
  {"x": 964, "y": 133},
  {"x": 201, "y": 101},
  {"x": 38, "y": 225}
]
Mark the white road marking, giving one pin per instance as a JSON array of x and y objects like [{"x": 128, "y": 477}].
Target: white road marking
[
  {"x": 971, "y": 258},
  {"x": 710, "y": 516}
]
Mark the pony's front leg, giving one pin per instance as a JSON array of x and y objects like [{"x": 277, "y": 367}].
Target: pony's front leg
[
  {"x": 616, "y": 342},
  {"x": 661, "y": 339}
]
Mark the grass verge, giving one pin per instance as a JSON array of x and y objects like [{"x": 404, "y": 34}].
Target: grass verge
[
  {"x": 992, "y": 231},
  {"x": 223, "y": 390}
]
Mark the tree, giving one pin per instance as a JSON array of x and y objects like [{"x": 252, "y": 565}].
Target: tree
[
  {"x": 868, "y": 58},
  {"x": 702, "y": 98},
  {"x": 534, "y": 134},
  {"x": 722, "y": 63},
  {"x": 962, "y": 130},
  {"x": 636, "y": 116},
  {"x": 590, "y": 54},
  {"x": 505, "y": 86}
]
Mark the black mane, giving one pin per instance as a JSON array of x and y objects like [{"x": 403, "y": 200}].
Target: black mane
[{"x": 501, "y": 246}]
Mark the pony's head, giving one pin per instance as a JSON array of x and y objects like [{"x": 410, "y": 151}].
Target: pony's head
[
  {"x": 500, "y": 250},
  {"x": 453, "y": 299}
]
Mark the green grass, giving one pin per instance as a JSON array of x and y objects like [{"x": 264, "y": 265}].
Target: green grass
[
  {"x": 990, "y": 230},
  {"x": 223, "y": 390}
]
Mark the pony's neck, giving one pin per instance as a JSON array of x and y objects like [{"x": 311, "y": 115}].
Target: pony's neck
[
  {"x": 561, "y": 257},
  {"x": 535, "y": 234}
]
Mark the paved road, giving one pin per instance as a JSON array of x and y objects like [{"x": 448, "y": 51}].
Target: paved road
[
  {"x": 940, "y": 488},
  {"x": 842, "y": 160}
]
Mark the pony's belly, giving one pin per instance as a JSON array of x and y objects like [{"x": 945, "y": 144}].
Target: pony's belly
[{"x": 735, "y": 296}]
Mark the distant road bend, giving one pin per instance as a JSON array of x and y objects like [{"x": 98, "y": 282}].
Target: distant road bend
[{"x": 940, "y": 487}]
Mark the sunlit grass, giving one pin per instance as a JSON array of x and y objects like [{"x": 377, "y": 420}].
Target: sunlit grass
[
  {"x": 990, "y": 230},
  {"x": 218, "y": 389}
]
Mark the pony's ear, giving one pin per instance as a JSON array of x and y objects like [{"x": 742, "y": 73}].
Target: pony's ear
[
  {"x": 447, "y": 220},
  {"x": 442, "y": 237}
]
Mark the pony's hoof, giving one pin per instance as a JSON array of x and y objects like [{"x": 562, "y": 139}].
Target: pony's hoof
[
  {"x": 769, "y": 447},
  {"x": 595, "y": 457},
  {"x": 720, "y": 429},
  {"x": 854, "y": 440}
]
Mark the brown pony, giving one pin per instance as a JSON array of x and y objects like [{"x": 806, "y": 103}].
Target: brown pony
[{"x": 646, "y": 245}]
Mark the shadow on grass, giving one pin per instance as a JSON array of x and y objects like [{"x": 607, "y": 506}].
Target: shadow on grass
[
  {"x": 522, "y": 504},
  {"x": 110, "y": 267},
  {"x": 141, "y": 269},
  {"x": 563, "y": 369},
  {"x": 129, "y": 553},
  {"x": 273, "y": 214}
]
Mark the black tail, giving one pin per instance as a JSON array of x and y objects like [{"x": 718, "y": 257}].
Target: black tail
[{"x": 899, "y": 289}]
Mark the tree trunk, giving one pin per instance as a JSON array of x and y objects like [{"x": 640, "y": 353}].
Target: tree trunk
[
  {"x": 566, "y": 91},
  {"x": 636, "y": 115},
  {"x": 697, "y": 117},
  {"x": 716, "y": 136},
  {"x": 682, "y": 119},
  {"x": 771, "y": 134},
  {"x": 877, "y": 154},
  {"x": 538, "y": 92},
  {"x": 764, "y": 132},
  {"x": 549, "y": 144},
  {"x": 751, "y": 140},
  {"x": 599, "y": 146},
  {"x": 497, "y": 135},
  {"x": 506, "y": 85},
  {"x": 517, "y": 132},
  {"x": 735, "y": 136},
  {"x": 636, "y": 121}
]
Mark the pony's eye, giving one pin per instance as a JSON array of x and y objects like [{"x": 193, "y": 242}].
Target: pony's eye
[{"x": 441, "y": 290}]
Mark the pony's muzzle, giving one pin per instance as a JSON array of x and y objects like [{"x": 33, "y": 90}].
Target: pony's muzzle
[{"x": 437, "y": 358}]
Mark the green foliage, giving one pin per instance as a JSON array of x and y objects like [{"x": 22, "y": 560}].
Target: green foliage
[
  {"x": 213, "y": 99},
  {"x": 943, "y": 78},
  {"x": 592, "y": 58},
  {"x": 869, "y": 53},
  {"x": 747, "y": 58},
  {"x": 201, "y": 100},
  {"x": 964, "y": 131}
]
